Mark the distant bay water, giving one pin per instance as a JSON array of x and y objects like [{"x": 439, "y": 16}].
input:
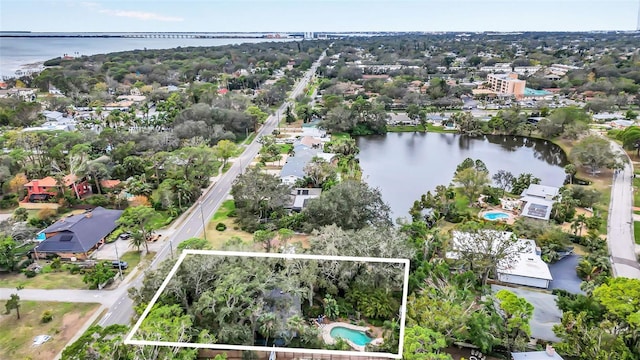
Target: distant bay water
[{"x": 19, "y": 53}]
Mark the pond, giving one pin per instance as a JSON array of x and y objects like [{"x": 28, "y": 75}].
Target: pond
[{"x": 407, "y": 165}]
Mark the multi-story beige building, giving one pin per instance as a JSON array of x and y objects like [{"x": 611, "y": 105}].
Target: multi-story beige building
[{"x": 506, "y": 84}]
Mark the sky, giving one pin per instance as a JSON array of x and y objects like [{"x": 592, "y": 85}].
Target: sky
[{"x": 317, "y": 15}]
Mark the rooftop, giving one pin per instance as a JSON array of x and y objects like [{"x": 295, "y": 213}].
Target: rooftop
[
  {"x": 529, "y": 263},
  {"x": 79, "y": 233},
  {"x": 524, "y": 262}
]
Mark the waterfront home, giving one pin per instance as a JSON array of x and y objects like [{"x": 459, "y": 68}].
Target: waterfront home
[
  {"x": 293, "y": 169},
  {"x": 300, "y": 197},
  {"x": 521, "y": 265},
  {"x": 537, "y": 201},
  {"x": 77, "y": 236}
]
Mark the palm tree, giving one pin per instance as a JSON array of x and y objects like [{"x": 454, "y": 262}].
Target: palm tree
[
  {"x": 267, "y": 325},
  {"x": 578, "y": 224},
  {"x": 295, "y": 326},
  {"x": 137, "y": 240}
]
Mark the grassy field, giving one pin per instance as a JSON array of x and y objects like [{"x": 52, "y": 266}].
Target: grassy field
[
  {"x": 636, "y": 231},
  {"x": 218, "y": 238},
  {"x": 636, "y": 193},
  {"x": 16, "y": 336},
  {"x": 285, "y": 148},
  {"x": 62, "y": 279},
  {"x": 133, "y": 258},
  {"x": 50, "y": 280},
  {"x": 335, "y": 136},
  {"x": 419, "y": 128}
]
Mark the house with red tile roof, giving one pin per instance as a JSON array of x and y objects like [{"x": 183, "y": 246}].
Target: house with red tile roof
[{"x": 41, "y": 190}]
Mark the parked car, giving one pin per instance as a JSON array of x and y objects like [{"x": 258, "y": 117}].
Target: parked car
[
  {"x": 154, "y": 238},
  {"x": 121, "y": 264},
  {"x": 124, "y": 236}
]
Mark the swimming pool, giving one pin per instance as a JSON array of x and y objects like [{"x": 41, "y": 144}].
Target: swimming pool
[
  {"x": 534, "y": 92},
  {"x": 355, "y": 336},
  {"x": 495, "y": 215}
]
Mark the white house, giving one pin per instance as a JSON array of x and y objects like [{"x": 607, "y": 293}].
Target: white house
[
  {"x": 522, "y": 264},
  {"x": 528, "y": 269},
  {"x": 537, "y": 201}
]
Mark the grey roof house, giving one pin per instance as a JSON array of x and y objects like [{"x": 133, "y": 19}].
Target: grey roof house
[
  {"x": 300, "y": 197},
  {"x": 293, "y": 169},
  {"x": 77, "y": 235}
]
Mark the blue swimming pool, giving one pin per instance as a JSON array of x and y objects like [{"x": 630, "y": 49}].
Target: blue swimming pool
[
  {"x": 495, "y": 215},
  {"x": 356, "y": 337},
  {"x": 534, "y": 92}
]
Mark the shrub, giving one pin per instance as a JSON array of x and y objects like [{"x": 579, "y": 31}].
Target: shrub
[
  {"x": 46, "y": 216},
  {"x": 46, "y": 317},
  {"x": 55, "y": 264},
  {"x": 97, "y": 200},
  {"x": 21, "y": 214},
  {"x": 74, "y": 269},
  {"x": 232, "y": 213},
  {"x": 221, "y": 227},
  {"x": 24, "y": 264},
  {"x": 9, "y": 201},
  {"x": 29, "y": 273}
]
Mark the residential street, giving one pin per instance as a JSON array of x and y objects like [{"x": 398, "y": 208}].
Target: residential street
[
  {"x": 119, "y": 304},
  {"x": 620, "y": 224}
]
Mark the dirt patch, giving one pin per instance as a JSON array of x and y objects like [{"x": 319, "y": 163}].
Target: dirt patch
[
  {"x": 566, "y": 227},
  {"x": 16, "y": 336}
]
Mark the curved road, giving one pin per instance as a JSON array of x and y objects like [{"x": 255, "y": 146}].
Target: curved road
[{"x": 620, "y": 237}]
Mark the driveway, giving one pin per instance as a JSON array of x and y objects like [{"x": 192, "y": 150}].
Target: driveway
[
  {"x": 108, "y": 251},
  {"x": 545, "y": 314},
  {"x": 564, "y": 275}
]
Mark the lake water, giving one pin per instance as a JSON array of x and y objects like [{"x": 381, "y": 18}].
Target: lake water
[
  {"x": 17, "y": 52},
  {"x": 406, "y": 165}
]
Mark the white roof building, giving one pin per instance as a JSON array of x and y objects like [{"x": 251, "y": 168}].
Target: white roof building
[
  {"x": 523, "y": 265},
  {"x": 538, "y": 201}
]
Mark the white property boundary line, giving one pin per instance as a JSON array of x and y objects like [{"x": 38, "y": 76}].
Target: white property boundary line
[{"x": 405, "y": 288}]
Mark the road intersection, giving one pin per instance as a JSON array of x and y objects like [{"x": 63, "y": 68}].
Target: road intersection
[{"x": 191, "y": 224}]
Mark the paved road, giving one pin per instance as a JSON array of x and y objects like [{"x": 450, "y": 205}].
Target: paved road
[
  {"x": 119, "y": 304},
  {"x": 122, "y": 310},
  {"x": 106, "y": 297},
  {"x": 620, "y": 223}
]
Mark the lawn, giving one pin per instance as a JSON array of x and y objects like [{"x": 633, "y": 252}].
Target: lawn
[
  {"x": 285, "y": 148},
  {"x": 636, "y": 192},
  {"x": 636, "y": 231},
  {"x": 16, "y": 336},
  {"x": 218, "y": 238},
  {"x": 420, "y": 128},
  {"x": 223, "y": 212},
  {"x": 335, "y": 136},
  {"x": 133, "y": 258},
  {"x": 47, "y": 279},
  {"x": 161, "y": 220}
]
